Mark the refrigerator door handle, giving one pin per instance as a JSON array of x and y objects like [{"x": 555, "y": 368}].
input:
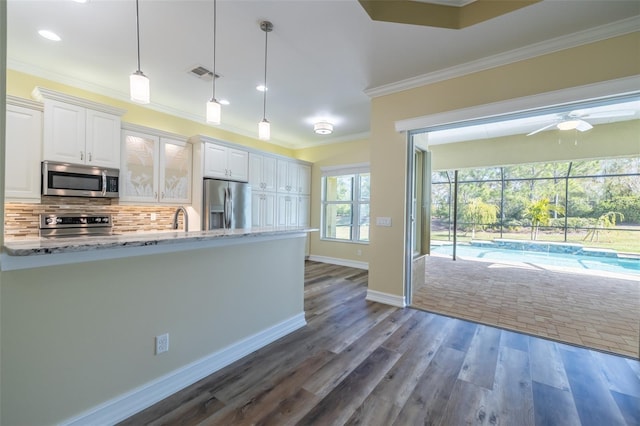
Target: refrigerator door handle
[
  {"x": 230, "y": 203},
  {"x": 225, "y": 219}
]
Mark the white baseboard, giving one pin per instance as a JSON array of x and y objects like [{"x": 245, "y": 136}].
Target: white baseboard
[
  {"x": 341, "y": 262},
  {"x": 386, "y": 298},
  {"x": 126, "y": 405}
]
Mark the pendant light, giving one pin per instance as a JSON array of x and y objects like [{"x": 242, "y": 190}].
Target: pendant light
[
  {"x": 214, "y": 110},
  {"x": 138, "y": 82},
  {"x": 264, "y": 127}
]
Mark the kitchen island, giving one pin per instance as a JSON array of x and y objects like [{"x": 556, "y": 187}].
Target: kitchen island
[{"x": 80, "y": 316}]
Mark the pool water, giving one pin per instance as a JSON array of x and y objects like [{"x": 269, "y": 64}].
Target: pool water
[{"x": 595, "y": 263}]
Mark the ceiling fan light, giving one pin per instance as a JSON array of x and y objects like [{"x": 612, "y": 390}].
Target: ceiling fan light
[
  {"x": 323, "y": 128},
  {"x": 264, "y": 130},
  {"x": 568, "y": 124},
  {"x": 214, "y": 112},
  {"x": 139, "y": 87}
]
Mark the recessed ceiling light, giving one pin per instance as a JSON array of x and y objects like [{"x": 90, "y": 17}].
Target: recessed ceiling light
[
  {"x": 261, "y": 88},
  {"x": 80, "y": 1},
  {"x": 49, "y": 35},
  {"x": 224, "y": 102}
]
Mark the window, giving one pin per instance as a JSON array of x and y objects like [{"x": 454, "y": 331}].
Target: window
[{"x": 345, "y": 203}]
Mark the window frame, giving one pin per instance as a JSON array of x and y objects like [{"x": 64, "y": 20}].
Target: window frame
[{"x": 356, "y": 202}]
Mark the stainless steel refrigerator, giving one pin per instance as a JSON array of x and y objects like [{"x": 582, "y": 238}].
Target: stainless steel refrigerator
[{"x": 227, "y": 204}]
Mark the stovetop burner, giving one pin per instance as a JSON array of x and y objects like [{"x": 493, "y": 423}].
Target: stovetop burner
[{"x": 75, "y": 225}]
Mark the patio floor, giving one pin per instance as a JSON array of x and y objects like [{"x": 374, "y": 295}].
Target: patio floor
[{"x": 595, "y": 311}]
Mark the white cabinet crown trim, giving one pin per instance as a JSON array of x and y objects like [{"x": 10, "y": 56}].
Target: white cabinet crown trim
[
  {"x": 41, "y": 93},
  {"x": 25, "y": 103},
  {"x": 155, "y": 132}
]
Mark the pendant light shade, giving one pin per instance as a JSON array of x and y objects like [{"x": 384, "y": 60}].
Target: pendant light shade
[
  {"x": 214, "y": 112},
  {"x": 138, "y": 82},
  {"x": 264, "y": 130},
  {"x": 264, "y": 127},
  {"x": 139, "y": 87},
  {"x": 214, "y": 109}
]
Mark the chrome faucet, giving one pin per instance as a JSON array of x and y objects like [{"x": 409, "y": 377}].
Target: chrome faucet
[{"x": 186, "y": 218}]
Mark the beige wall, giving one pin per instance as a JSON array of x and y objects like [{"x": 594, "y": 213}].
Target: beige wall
[
  {"x": 605, "y": 60},
  {"x": 332, "y": 155},
  {"x": 75, "y": 336}
]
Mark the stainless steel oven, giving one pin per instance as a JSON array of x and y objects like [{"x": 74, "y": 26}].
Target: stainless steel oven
[{"x": 79, "y": 181}]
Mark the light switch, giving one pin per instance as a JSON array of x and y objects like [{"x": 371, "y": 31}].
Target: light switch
[{"x": 383, "y": 221}]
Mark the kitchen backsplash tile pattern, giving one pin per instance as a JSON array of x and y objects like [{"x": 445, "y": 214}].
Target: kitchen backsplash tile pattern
[{"x": 21, "y": 219}]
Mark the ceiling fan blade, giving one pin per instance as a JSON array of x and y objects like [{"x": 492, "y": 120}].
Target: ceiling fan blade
[
  {"x": 610, "y": 114},
  {"x": 541, "y": 129},
  {"x": 583, "y": 126}
]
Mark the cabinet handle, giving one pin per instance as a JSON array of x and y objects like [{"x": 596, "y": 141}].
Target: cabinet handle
[
  {"x": 229, "y": 172},
  {"x": 155, "y": 195},
  {"x": 90, "y": 157},
  {"x": 82, "y": 155}
]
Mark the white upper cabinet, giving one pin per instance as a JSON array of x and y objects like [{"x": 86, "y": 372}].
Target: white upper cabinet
[
  {"x": 23, "y": 151},
  {"x": 102, "y": 144},
  {"x": 79, "y": 131},
  {"x": 223, "y": 162},
  {"x": 139, "y": 167},
  {"x": 293, "y": 177},
  {"x": 155, "y": 168},
  {"x": 262, "y": 172},
  {"x": 304, "y": 179},
  {"x": 176, "y": 158}
]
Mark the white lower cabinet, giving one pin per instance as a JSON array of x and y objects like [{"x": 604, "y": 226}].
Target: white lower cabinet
[
  {"x": 23, "y": 153},
  {"x": 263, "y": 208}
]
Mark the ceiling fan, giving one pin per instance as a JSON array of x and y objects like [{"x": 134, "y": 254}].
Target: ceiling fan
[{"x": 576, "y": 120}]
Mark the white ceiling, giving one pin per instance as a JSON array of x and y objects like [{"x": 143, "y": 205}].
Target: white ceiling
[{"x": 323, "y": 54}]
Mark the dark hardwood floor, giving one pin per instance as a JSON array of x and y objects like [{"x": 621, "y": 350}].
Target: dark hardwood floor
[{"x": 359, "y": 362}]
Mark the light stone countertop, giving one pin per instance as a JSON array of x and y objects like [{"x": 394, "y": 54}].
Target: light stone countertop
[
  {"x": 41, "y": 246},
  {"x": 22, "y": 254}
]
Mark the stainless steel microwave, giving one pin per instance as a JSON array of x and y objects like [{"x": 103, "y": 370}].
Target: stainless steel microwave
[{"x": 73, "y": 180}]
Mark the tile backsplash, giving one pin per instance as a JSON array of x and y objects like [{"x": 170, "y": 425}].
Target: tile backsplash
[{"x": 21, "y": 219}]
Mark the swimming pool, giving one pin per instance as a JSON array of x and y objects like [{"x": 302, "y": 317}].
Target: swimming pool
[{"x": 595, "y": 263}]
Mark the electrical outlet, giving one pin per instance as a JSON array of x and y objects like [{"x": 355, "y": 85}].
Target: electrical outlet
[
  {"x": 359, "y": 252},
  {"x": 162, "y": 343},
  {"x": 153, "y": 217}
]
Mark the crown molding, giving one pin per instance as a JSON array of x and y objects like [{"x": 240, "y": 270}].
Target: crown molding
[
  {"x": 589, "y": 92},
  {"x": 25, "y": 103},
  {"x": 152, "y": 131},
  {"x": 41, "y": 94},
  {"x": 592, "y": 35}
]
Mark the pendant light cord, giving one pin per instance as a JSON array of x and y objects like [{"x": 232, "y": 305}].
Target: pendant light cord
[
  {"x": 213, "y": 96},
  {"x": 138, "y": 33},
  {"x": 264, "y": 102}
]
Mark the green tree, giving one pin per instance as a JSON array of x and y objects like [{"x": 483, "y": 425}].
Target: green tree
[
  {"x": 477, "y": 212},
  {"x": 539, "y": 212},
  {"x": 607, "y": 220}
]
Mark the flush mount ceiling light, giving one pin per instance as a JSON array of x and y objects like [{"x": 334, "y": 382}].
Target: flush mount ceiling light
[
  {"x": 49, "y": 35},
  {"x": 138, "y": 82},
  {"x": 214, "y": 110},
  {"x": 264, "y": 127},
  {"x": 323, "y": 128}
]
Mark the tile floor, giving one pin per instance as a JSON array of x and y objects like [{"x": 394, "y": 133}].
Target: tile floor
[{"x": 593, "y": 311}]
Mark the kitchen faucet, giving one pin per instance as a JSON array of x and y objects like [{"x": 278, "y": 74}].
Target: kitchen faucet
[{"x": 186, "y": 218}]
